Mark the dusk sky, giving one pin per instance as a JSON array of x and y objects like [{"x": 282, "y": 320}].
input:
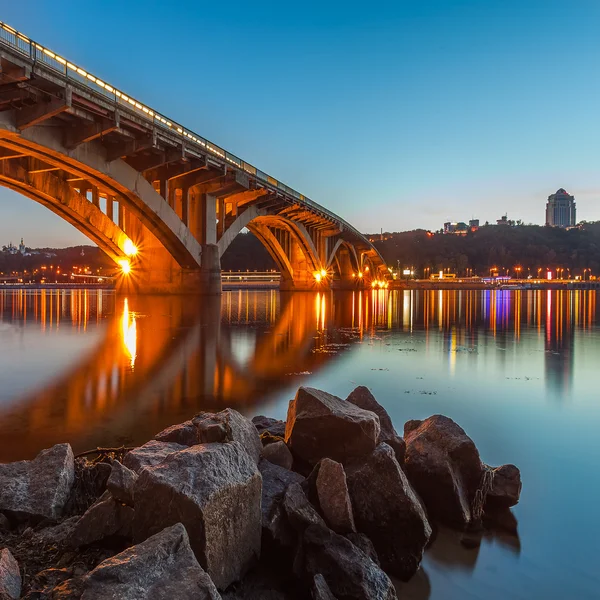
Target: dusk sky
[{"x": 394, "y": 115}]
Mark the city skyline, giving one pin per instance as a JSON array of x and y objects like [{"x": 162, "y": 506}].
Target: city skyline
[{"x": 470, "y": 147}]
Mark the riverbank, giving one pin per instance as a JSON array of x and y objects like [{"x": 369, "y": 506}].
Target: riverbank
[{"x": 332, "y": 503}]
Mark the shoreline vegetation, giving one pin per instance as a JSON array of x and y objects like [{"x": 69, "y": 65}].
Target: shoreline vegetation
[{"x": 331, "y": 504}]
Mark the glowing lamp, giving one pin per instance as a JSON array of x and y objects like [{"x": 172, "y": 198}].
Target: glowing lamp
[
  {"x": 130, "y": 248},
  {"x": 323, "y": 272},
  {"x": 125, "y": 266},
  {"x": 318, "y": 277}
]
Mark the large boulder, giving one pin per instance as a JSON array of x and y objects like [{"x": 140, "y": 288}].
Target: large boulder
[
  {"x": 267, "y": 425},
  {"x": 275, "y": 481},
  {"x": 387, "y": 510},
  {"x": 300, "y": 512},
  {"x": 184, "y": 433},
  {"x": 38, "y": 488},
  {"x": 279, "y": 454},
  {"x": 150, "y": 454},
  {"x": 10, "y": 576},
  {"x": 121, "y": 483},
  {"x": 229, "y": 426},
  {"x": 334, "y": 500},
  {"x": 103, "y": 520},
  {"x": 505, "y": 488},
  {"x": 363, "y": 398},
  {"x": 320, "y": 589},
  {"x": 444, "y": 466},
  {"x": 321, "y": 425},
  {"x": 215, "y": 491},
  {"x": 162, "y": 568},
  {"x": 349, "y": 573}
]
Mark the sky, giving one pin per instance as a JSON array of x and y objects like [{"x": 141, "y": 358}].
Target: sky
[{"x": 394, "y": 115}]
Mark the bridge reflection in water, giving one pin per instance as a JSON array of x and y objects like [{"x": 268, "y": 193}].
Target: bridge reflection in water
[{"x": 158, "y": 360}]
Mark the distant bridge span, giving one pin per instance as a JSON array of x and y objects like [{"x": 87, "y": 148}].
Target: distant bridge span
[{"x": 160, "y": 200}]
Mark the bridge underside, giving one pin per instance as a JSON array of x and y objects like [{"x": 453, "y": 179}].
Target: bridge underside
[{"x": 164, "y": 210}]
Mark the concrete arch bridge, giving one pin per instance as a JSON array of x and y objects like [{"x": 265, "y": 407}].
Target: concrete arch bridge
[{"x": 162, "y": 201}]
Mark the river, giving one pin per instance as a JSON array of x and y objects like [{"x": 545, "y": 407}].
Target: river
[{"x": 518, "y": 370}]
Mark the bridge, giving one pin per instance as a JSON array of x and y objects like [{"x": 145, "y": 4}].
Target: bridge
[{"x": 162, "y": 201}]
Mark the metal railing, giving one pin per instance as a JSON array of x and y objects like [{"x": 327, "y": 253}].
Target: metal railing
[{"x": 54, "y": 62}]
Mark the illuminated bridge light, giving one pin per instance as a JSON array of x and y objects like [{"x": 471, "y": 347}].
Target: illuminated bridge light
[
  {"x": 125, "y": 266},
  {"x": 130, "y": 248},
  {"x": 318, "y": 277}
]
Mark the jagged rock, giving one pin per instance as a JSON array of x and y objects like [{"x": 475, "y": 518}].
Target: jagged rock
[
  {"x": 349, "y": 573},
  {"x": 10, "y": 575},
  {"x": 362, "y": 542},
  {"x": 48, "y": 579},
  {"x": 279, "y": 454},
  {"x": 387, "y": 510},
  {"x": 104, "y": 520},
  {"x": 275, "y": 481},
  {"x": 363, "y": 398},
  {"x": 334, "y": 500},
  {"x": 185, "y": 434},
  {"x": 301, "y": 513},
  {"x": 443, "y": 465},
  {"x": 229, "y": 426},
  {"x": 121, "y": 483},
  {"x": 321, "y": 425},
  {"x": 273, "y": 426},
  {"x": 506, "y": 488},
  {"x": 68, "y": 590},
  {"x": 162, "y": 568},
  {"x": 150, "y": 454},
  {"x": 38, "y": 488},
  {"x": 320, "y": 589},
  {"x": 215, "y": 491}
]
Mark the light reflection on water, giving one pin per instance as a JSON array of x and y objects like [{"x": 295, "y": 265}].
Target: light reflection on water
[{"x": 518, "y": 370}]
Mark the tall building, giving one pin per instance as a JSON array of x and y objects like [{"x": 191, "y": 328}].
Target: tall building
[{"x": 560, "y": 210}]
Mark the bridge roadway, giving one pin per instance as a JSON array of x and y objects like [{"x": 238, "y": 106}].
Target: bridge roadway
[{"x": 162, "y": 201}]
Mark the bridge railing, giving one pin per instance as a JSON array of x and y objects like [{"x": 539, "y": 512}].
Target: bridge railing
[{"x": 70, "y": 71}]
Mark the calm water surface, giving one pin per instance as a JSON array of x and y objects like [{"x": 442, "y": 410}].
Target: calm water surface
[{"x": 518, "y": 370}]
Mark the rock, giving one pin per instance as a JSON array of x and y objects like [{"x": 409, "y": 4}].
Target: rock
[
  {"x": 121, "y": 483},
  {"x": 506, "y": 488},
  {"x": 320, "y": 589},
  {"x": 278, "y": 454},
  {"x": 334, "y": 500},
  {"x": 443, "y": 465},
  {"x": 362, "y": 542},
  {"x": 161, "y": 568},
  {"x": 4, "y": 523},
  {"x": 363, "y": 398},
  {"x": 215, "y": 491},
  {"x": 185, "y": 434},
  {"x": 320, "y": 425},
  {"x": 48, "y": 579},
  {"x": 10, "y": 575},
  {"x": 387, "y": 510},
  {"x": 300, "y": 512},
  {"x": 150, "y": 454},
  {"x": 38, "y": 488},
  {"x": 68, "y": 590},
  {"x": 266, "y": 424},
  {"x": 501, "y": 520},
  {"x": 89, "y": 485},
  {"x": 275, "y": 481},
  {"x": 349, "y": 573},
  {"x": 106, "y": 519},
  {"x": 229, "y": 426}
]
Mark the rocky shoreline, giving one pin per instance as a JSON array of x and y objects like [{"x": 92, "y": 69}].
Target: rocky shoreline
[{"x": 330, "y": 504}]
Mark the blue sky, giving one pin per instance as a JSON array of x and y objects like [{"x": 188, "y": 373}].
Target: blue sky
[{"x": 394, "y": 115}]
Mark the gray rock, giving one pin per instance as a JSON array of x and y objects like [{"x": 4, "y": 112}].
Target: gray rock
[
  {"x": 266, "y": 424},
  {"x": 349, "y": 573},
  {"x": 215, "y": 491},
  {"x": 506, "y": 488},
  {"x": 320, "y": 589},
  {"x": 334, "y": 500},
  {"x": 279, "y": 454},
  {"x": 150, "y": 454},
  {"x": 362, "y": 397},
  {"x": 161, "y": 568},
  {"x": 38, "y": 488},
  {"x": 275, "y": 481},
  {"x": 229, "y": 426},
  {"x": 121, "y": 483},
  {"x": 387, "y": 510},
  {"x": 103, "y": 520},
  {"x": 443, "y": 465},
  {"x": 10, "y": 575},
  {"x": 362, "y": 542},
  {"x": 300, "y": 512},
  {"x": 185, "y": 434},
  {"x": 320, "y": 425}
]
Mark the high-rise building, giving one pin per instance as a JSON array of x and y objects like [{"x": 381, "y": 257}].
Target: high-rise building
[{"x": 560, "y": 210}]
